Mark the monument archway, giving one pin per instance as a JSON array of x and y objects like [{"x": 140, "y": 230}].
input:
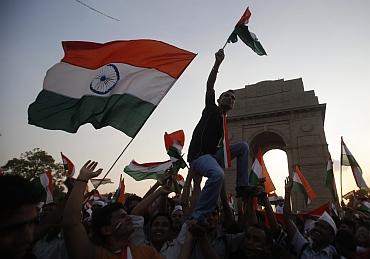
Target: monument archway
[{"x": 281, "y": 115}]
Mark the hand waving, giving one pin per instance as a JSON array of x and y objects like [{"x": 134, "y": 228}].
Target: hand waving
[
  {"x": 288, "y": 184},
  {"x": 87, "y": 171}
]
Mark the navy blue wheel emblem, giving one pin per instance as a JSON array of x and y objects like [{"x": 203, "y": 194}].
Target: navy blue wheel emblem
[{"x": 106, "y": 79}]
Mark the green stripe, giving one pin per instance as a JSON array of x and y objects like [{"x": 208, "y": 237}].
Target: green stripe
[
  {"x": 329, "y": 183},
  {"x": 349, "y": 160},
  {"x": 125, "y": 112},
  {"x": 297, "y": 187},
  {"x": 139, "y": 176},
  {"x": 253, "y": 178}
]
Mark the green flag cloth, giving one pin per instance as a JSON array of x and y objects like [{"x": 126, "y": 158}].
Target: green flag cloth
[
  {"x": 247, "y": 37},
  {"x": 330, "y": 180}
]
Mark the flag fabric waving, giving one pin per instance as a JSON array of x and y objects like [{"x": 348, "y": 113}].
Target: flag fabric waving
[
  {"x": 119, "y": 195},
  {"x": 174, "y": 142},
  {"x": 245, "y": 17},
  {"x": 259, "y": 171},
  {"x": 46, "y": 180},
  {"x": 69, "y": 167},
  {"x": 145, "y": 171},
  {"x": 330, "y": 180},
  {"x": 300, "y": 184},
  {"x": 249, "y": 38},
  {"x": 116, "y": 84},
  {"x": 348, "y": 160},
  {"x": 180, "y": 180},
  {"x": 95, "y": 182}
]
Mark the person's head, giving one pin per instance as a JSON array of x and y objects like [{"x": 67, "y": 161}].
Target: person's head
[
  {"x": 362, "y": 234},
  {"x": 347, "y": 223},
  {"x": 18, "y": 199},
  {"x": 160, "y": 226},
  {"x": 177, "y": 216},
  {"x": 258, "y": 241},
  {"x": 226, "y": 100},
  {"x": 131, "y": 202},
  {"x": 345, "y": 243},
  {"x": 111, "y": 222},
  {"x": 321, "y": 234}
]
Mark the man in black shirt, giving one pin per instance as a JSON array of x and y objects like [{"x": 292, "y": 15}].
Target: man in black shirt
[{"x": 204, "y": 153}]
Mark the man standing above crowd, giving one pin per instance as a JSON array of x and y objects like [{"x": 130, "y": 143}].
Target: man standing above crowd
[{"x": 205, "y": 155}]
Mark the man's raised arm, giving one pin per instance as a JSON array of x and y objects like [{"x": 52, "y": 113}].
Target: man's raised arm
[
  {"x": 219, "y": 57},
  {"x": 77, "y": 241}
]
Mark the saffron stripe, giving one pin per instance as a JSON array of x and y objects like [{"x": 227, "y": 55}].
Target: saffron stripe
[{"x": 140, "y": 53}]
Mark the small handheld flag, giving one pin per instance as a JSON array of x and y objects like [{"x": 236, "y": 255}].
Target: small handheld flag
[
  {"x": 249, "y": 38},
  {"x": 69, "y": 167},
  {"x": 300, "y": 184},
  {"x": 174, "y": 143}
]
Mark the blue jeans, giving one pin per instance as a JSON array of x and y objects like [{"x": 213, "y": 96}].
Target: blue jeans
[{"x": 209, "y": 166}]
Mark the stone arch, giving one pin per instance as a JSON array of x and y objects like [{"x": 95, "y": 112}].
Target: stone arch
[{"x": 280, "y": 114}]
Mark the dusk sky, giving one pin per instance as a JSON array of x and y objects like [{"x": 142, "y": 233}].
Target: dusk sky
[{"x": 326, "y": 43}]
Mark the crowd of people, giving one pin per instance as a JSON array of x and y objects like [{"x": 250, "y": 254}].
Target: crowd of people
[{"x": 171, "y": 222}]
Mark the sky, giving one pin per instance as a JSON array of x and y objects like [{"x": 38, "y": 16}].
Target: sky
[{"x": 326, "y": 43}]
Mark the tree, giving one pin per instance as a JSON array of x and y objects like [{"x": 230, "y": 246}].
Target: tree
[{"x": 32, "y": 164}]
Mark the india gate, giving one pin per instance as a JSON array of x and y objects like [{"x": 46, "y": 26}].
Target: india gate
[{"x": 282, "y": 115}]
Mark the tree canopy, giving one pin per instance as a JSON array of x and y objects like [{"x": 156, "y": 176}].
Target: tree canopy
[{"x": 35, "y": 162}]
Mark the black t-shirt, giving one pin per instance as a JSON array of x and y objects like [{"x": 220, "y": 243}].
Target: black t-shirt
[{"x": 209, "y": 130}]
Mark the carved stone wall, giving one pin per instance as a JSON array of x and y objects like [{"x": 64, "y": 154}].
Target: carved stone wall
[{"x": 281, "y": 115}]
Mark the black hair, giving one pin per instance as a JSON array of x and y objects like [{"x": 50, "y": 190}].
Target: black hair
[
  {"x": 228, "y": 91},
  {"x": 103, "y": 217},
  {"x": 166, "y": 215},
  {"x": 130, "y": 200},
  {"x": 344, "y": 239},
  {"x": 16, "y": 191}
]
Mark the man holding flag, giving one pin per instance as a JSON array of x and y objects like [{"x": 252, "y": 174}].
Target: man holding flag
[{"x": 208, "y": 147}]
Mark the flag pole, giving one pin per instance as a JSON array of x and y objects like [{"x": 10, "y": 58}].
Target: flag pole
[
  {"x": 115, "y": 162},
  {"x": 341, "y": 187},
  {"x": 225, "y": 45}
]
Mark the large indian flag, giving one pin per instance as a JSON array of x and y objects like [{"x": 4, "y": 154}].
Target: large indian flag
[{"x": 116, "y": 84}]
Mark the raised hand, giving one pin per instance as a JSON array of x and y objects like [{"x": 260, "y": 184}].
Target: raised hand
[
  {"x": 288, "y": 184},
  {"x": 87, "y": 171},
  {"x": 219, "y": 55}
]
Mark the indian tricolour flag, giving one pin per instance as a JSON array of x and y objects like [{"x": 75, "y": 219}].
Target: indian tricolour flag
[
  {"x": 259, "y": 171},
  {"x": 300, "y": 184},
  {"x": 147, "y": 170},
  {"x": 330, "y": 180},
  {"x": 46, "y": 180},
  {"x": 69, "y": 167},
  {"x": 174, "y": 142},
  {"x": 347, "y": 159},
  {"x": 116, "y": 84}
]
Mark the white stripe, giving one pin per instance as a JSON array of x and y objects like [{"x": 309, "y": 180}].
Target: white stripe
[
  {"x": 257, "y": 168},
  {"x": 151, "y": 169},
  {"x": 72, "y": 81},
  {"x": 297, "y": 179}
]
